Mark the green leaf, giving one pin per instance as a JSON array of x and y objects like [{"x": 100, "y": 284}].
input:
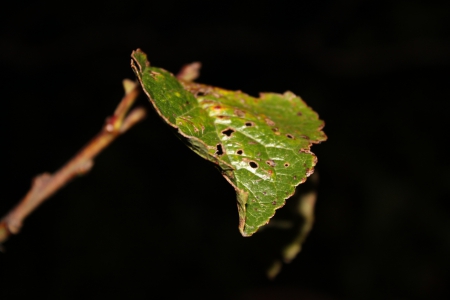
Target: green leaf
[{"x": 260, "y": 144}]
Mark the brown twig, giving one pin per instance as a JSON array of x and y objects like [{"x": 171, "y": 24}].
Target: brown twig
[{"x": 45, "y": 185}]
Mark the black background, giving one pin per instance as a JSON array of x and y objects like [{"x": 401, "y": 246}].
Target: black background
[{"x": 153, "y": 220}]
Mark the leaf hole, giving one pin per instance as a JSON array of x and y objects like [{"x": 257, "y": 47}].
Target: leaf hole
[
  {"x": 228, "y": 132},
  {"x": 199, "y": 94},
  {"x": 249, "y": 124},
  {"x": 240, "y": 152},
  {"x": 286, "y": 165},
  {"x": 219, "y": 149},
  {"x": 289, "y": 136},
  {"x": 253, "y": 164}
]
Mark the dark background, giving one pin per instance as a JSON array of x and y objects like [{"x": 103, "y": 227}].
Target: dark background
[{"x": 153, "y": 220}]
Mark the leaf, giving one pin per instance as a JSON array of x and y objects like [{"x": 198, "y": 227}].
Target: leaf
[{"x": 260, "y": 144}]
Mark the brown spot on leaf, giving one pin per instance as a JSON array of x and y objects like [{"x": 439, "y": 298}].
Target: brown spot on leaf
[
  {"x": 290, "y": 136},
  {"x": 239, "y": 113},
  {"x": 269, "y": 122},
  {"x": 217, "y": 107},
  {"x": 286, "y": 165},
  {"x": 271, "y": 163},
  {"x": 206, "y": 101},
  {"x": 309, "y": 172},
  {"x": 299, "y": 113},
  {"x": 305, "y": 151},
  {"x": 274, "y": 202}
]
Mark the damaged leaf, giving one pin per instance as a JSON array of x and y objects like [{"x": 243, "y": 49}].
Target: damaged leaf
[{"x": 261, "y": 145}]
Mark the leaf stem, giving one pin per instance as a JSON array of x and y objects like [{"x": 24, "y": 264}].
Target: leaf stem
[{"x": 46, "y": 184}]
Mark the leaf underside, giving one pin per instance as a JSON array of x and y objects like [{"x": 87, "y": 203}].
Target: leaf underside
[{"x": 260, "y": 144}]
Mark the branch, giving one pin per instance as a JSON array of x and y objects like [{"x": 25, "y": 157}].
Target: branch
[{"x": 46, "y": 184}]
